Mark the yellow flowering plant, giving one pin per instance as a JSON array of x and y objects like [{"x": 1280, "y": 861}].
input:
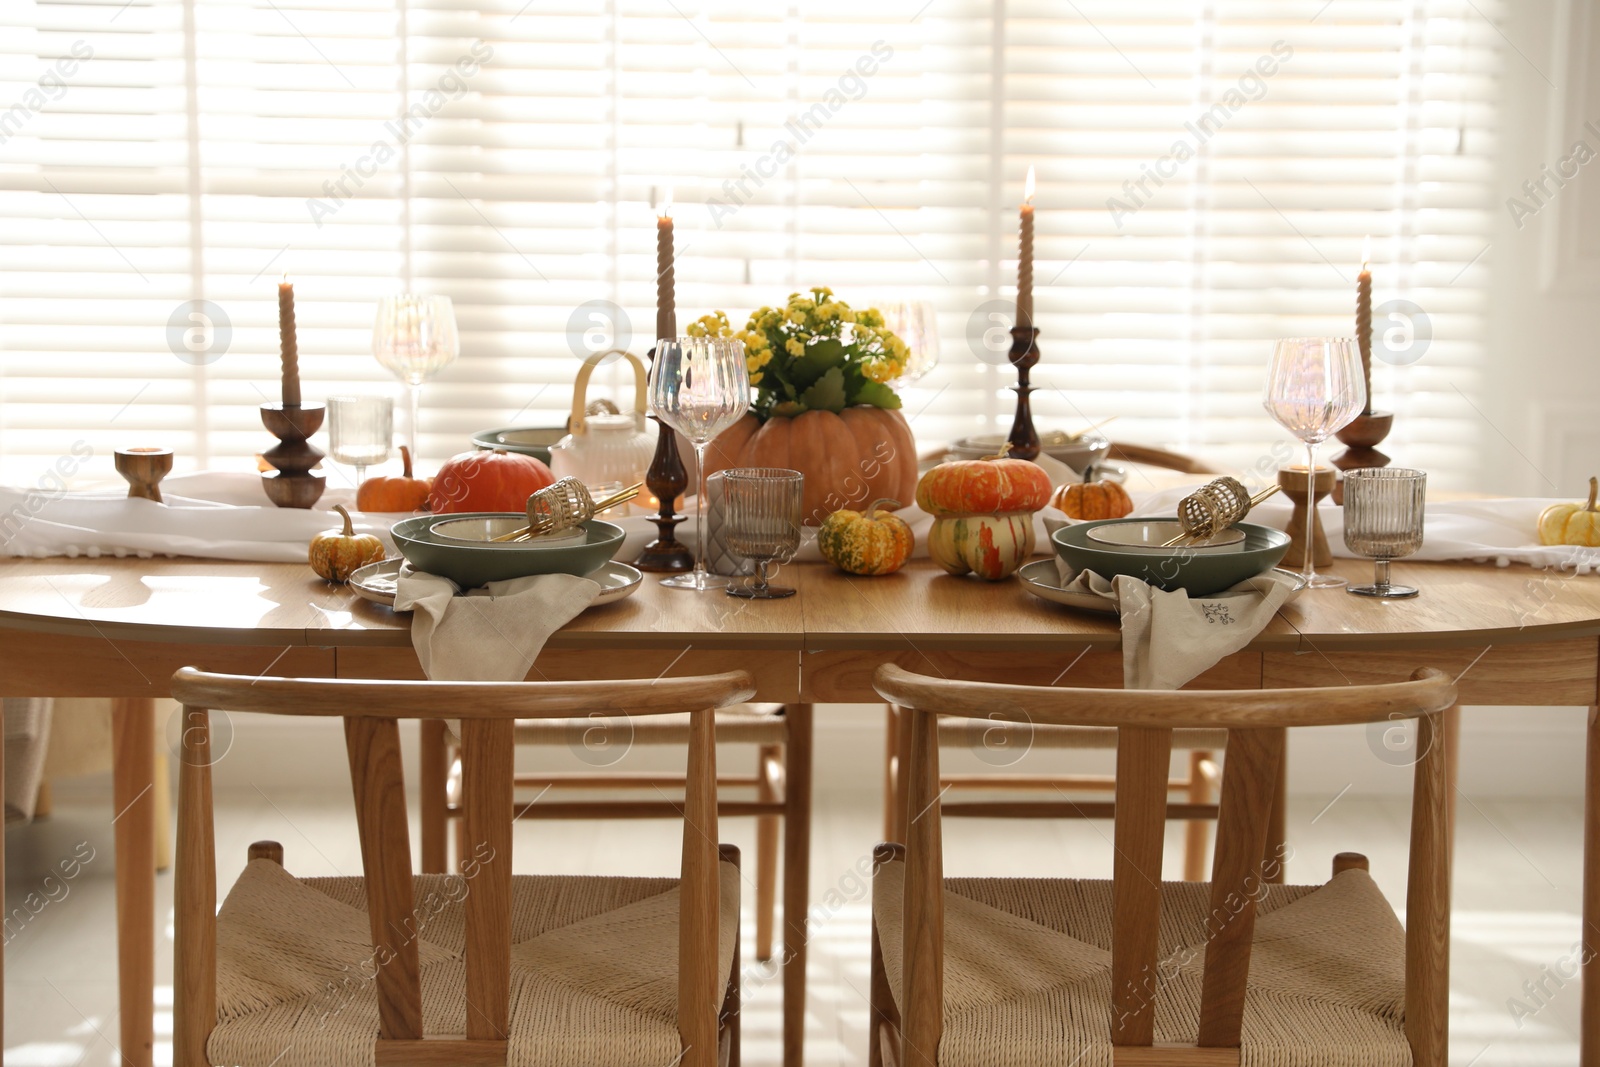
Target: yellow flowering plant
[{"x": 815, "y": 353}]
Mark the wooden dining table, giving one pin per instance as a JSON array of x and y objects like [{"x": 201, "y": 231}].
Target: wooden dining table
[{"x": 119, "y": 627}]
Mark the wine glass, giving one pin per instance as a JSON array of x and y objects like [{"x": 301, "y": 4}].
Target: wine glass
[
  {"x": 1383, "y": 519},
  {"x": 699, "y": 386},
  {"x": 414, "y": 338},
  {"x": 360, "y": 431},
  {"x": 917, "y": 324},
  {"x": 762, "y": 522},
  {"x": 1315, "y": 388}
]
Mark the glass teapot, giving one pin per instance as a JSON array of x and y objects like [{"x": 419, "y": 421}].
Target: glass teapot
[{"x": 606, "y": 452}]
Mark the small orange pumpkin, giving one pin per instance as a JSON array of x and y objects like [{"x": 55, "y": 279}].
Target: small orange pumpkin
[
  {"x": 404, "y": 493},
  {"x": 1092, "y": 500},
  {"x": 335, "y": 554},
  {"x": 869, "y": 542}
]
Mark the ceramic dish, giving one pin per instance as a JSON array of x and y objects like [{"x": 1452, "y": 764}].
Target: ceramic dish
[
  {"x": 1197, "y": 573},
  {"x": 532, "y": 441},
  {"x": 482, "y": 531},
  {"x": 473, "y": 565},
  {"x": 377, "y": 581},
  {"x": 1042, "y": 578},
  {"x": 1148, "y": 535}
]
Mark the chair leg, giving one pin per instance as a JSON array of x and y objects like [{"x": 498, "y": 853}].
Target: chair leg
[
  {"x": 733, "y": 995},
  {"x": 433, "y": 784},
  {"x": 902, "y": 762},
  {"x": 796, "y": 880},
  {"x": 163, "y": 799},
  {"x": 1197, "y": 834},
  {"x": 769, "y": 764},
  {"x": 891, "y": 757},
  {"x": 882, "y": 1018}
]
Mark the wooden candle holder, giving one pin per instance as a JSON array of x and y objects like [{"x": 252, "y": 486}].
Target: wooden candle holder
[
  {"x": 667, "y": 479},
  {"x": 1362, "y": 436},
  {"x": 1024, "y": 356},
  {"x": 1292, "y": 481},
  {"x": 143, "y": 469},
  {"x": 291, "y": 484}
]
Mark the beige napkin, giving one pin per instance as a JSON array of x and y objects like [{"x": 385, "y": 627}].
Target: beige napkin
[
  {"x": 491, "y": 634},
  {"x": 1169, "y": 638}
]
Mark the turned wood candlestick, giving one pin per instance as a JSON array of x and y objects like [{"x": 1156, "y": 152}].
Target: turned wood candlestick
[
  {"x": 292, "y": 484},
  {"x": 667, "y": 479},
  {"x": 1024, "y": 356},
  {"x": 143, "y": 469},
  {"x": 1362, "y": 436},
  {"x": 1292, "y": 480}
]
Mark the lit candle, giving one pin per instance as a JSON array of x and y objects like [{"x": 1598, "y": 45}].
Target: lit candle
[
  {"x": 1025, "y": 259},
  {"x": 1364, "y": 318},
  {"x": 666, "y": 313},
  {"x": 289, "y": 349}
]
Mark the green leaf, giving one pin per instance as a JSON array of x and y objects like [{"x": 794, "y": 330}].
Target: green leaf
[
  {"x": 826, "y": 393},
  {"x": 788, "y": 409},
  {"x": 877, "y": 394},
  {"x": 819, "y": 357}
]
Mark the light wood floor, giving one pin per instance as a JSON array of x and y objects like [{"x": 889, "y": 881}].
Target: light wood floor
[{"x": 1517, "y": 885}]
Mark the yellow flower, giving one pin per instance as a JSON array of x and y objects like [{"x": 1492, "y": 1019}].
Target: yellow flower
[
  {"x": 869, "y": 317},
  {"x": 795, "y": 346},
  {"x": 755, "y": 378}
]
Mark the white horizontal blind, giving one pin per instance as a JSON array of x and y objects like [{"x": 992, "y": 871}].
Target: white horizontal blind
[{"x": 508, "y": 155}]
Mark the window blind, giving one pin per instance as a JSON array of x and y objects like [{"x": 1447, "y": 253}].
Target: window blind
[{"x": 1207, "y": 172}]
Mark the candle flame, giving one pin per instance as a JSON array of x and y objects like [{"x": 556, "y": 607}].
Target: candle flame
[
  {"x": 666, "y": 204},
  {"x": 1027, "y": 187},
  {"x": 1366, "y": 251}
]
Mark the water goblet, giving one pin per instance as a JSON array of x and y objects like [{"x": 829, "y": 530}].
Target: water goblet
[
  {"x": 360, "y": 431},
  {"x": 699, "y": 386},
  {"x": 1315, "y": 388},
  {"x": 414, "y": 338},
  {"x": 762, "y": 522},
  {"x": 1383, "y": 509}
]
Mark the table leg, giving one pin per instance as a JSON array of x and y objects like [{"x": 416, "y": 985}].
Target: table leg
[
  {"x": 133, "y": 793},
  {"x": 796, "y": 880},
  {"x": 1589, "y": 1055}
]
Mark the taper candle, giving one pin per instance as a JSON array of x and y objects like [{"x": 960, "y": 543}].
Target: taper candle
[
  {"x": 1025, "y": 259},
  {"x": 1364, "y": 318},
  {"x": 666, "y": 312},
  {"x": 289, "y": 348}
]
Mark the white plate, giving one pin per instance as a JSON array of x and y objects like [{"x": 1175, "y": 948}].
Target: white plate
[
  {"x": 481, "y": 532},
  {"x": 376, "y": 581},
  {"x": 1043, "y": 579},
  {"x": 1152, "y": 534}
]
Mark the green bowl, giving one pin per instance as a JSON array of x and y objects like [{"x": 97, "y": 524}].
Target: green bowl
[
  {"x": 471, "y": 566},
  {"x": 1196, "y": 573},
  {"x": 532, "y": 441}
]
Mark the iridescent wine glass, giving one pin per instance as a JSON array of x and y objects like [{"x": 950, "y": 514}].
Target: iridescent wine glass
[
  {"x": 414, "y": 338},
  {"x": 1315, "y": 388},
  {"x": 699, "y": 386},
  {"x": 917, "y": 324}
]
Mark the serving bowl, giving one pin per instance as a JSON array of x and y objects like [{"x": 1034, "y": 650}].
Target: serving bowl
[
  {"x": 532, "y": 441},
  {"x": 1078, "y": 453},
  {"x": 1196, "y": 573},
  {"x": 470, "y": 565}
]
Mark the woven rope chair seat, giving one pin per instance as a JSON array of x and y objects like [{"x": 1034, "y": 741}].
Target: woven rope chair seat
[
  {"x": 738, "y": 724},
  {"x": 1027, "y": 978},
  {"x": 594, "y": 964},
  {"x": 1023, "y": 736}
]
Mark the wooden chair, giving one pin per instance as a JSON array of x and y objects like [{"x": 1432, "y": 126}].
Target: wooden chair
[
  {"x": 1137, "y": 973},
  {"x": 782, "y": 736},
  {"x": 477, "y": 968}
]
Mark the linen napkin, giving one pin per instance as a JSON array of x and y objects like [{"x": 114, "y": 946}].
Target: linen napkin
[
  {"x": 1170, "y": 637},
  {"x": 491, "y": 634}
]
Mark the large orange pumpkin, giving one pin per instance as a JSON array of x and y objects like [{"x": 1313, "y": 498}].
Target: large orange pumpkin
[
  {"x": 850, "y": 459},
  {"x": 487, "y": 481}
]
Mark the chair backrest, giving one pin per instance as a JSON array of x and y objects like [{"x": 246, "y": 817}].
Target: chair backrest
[
  {"x": 1256, "y": 721},
  {"x": 372, "y": 712}
]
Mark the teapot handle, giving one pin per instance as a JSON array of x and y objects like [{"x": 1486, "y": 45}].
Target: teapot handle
[{"x": 580, "y": 387}]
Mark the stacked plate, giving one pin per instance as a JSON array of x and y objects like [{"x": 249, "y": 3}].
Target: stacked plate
[
  {"x": 458, "y": 547},
  {"x": 1133, "y": 547}
]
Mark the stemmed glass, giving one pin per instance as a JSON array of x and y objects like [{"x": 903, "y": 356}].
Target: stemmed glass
[
  {"x": 917, "y": 324},
  {"x": 699, "y": 386},
  {"x": 763, "y": 522},
  {"x": 360, "y": 431},
  {"x": 1315, "y": 388},
  {"x": 1383, "y": 510},
  {"x": 414, "y": 338}
]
